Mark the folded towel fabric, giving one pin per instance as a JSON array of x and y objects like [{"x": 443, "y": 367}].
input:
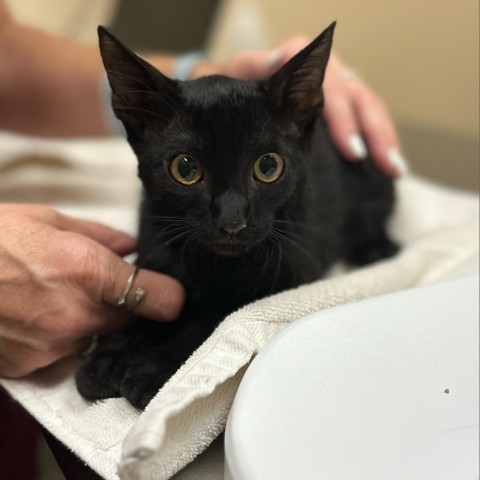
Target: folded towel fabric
[{"x": 438, "y": 229}]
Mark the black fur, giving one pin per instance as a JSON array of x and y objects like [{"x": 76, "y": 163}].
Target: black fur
[{"x": 320, "y": 210}]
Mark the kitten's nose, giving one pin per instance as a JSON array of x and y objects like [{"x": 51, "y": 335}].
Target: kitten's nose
[
  {"x": 231, "y": 228},
  {"x": 230, "y": 212}
]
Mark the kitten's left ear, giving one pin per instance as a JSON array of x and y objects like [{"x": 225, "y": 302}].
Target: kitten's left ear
[
  {"x": 297, "y": 86},
  {"x": 141, "y": 95}
]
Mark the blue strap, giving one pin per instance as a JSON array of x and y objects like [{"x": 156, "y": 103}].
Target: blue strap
[{"x": 184, "y": 65}]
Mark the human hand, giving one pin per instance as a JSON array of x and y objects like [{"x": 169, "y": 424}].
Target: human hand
[
  {"x": 59, "y": 281},
  {"x": 354, "y": 114}
]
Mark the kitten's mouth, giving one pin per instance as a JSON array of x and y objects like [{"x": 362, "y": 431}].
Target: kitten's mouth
[{"x": 229, "y": 248}]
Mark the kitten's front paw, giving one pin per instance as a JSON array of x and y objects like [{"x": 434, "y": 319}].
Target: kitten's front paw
[
  {"x": 104, "y": 375},
  {"x": 94, "y": 379},
  {"x": 142, "y": 382},
  {"x": 99, "y": 376}
]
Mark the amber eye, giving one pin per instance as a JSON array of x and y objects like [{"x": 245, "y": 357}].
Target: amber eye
[
  {"x": 185, "y": 169},
  {"x": 269, "y": 167}
]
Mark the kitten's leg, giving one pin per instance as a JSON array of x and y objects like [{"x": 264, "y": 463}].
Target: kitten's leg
[
  {"x": 372, "y": 197},
  {"x": 369, "y": 242},
  {"x": 149, "y": 372},
  {"x": 153, "y": 367},
  {"x": 100, "y": 374}
]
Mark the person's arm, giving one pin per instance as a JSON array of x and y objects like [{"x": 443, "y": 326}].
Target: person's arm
[{"x": 50, "y": 86}]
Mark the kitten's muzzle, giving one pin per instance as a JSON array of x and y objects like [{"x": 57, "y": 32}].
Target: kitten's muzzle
[
  {"x": 232, "y": 228},
  {"x": 229, "y": 248},
  {"x": 230, "y": 239}
]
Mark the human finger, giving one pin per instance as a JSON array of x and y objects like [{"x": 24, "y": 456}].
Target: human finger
[
  {"x": 343, "y": 125},
  {"x": 379, "y": 132},
  {"x": 263, "y": 63},
  {"x": 248, "y": 65},
  {"x": 163, "y": 297},
  {"x": 117, "y": 241},
  {"x": 339, "y": 112},
  {"x": 288, "y": 49}
]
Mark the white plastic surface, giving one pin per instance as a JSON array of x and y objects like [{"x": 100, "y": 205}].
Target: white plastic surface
[{"x": 381, "y": 389}]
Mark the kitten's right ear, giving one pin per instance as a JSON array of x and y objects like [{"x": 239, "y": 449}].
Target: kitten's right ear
[
  {"x": 142, "y": 97},
  {"x": 297, "y": 86}
]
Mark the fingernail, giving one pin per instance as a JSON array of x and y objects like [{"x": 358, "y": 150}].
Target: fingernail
[
  {"x": 274, "y": 58},
  {"x": 397, "y": 161},
  {"x": 357, "y": 146}
]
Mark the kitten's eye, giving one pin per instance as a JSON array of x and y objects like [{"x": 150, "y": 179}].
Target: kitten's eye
[
  {"x": 186, "y": 169},
  {"x": 269, "y": 167}
]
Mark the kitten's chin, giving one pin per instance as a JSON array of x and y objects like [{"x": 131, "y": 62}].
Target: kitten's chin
[{"x": 229, "y": 249}]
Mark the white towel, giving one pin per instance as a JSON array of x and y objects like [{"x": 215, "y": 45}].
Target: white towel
[{"x": 439, "y": 230}]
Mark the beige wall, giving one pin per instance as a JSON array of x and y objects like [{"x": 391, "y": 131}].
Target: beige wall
[
  {"x": 75, "y": 19},
  {"x": 421, "y": 56}
]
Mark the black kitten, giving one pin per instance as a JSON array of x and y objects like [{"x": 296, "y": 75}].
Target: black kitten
[{"x": 244, "y": 196}]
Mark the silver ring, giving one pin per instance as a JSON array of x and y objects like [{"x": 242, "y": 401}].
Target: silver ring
[
  {"x": 139, "y": 292},
  {"x": 347, "y": 74}
]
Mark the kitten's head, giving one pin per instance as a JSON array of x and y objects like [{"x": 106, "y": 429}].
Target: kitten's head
[{"x": 224, "y": 159}]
